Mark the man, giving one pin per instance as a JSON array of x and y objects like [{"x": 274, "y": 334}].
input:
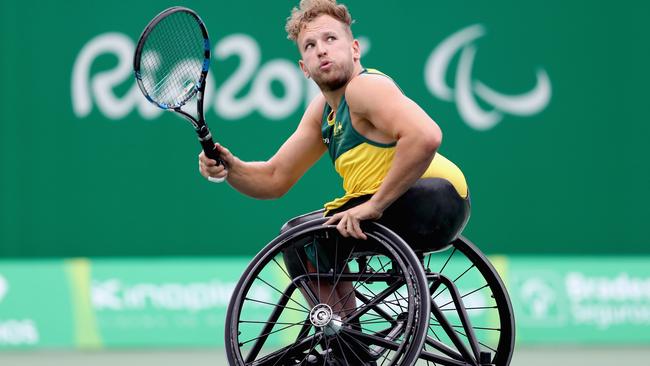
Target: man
[
  {"x": 382, "y": 143},
  {"x": 400, "y": 138}
]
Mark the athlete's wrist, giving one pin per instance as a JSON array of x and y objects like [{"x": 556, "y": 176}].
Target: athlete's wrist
[{"x": 378, "y": 204}]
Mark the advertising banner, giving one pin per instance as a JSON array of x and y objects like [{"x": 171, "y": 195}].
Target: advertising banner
[
  {"x": 581, "y": 300},
  {"x": 182, "y": 302},
  {"x": 35, "y": 305},
  {"x": 167, "y": 302}
]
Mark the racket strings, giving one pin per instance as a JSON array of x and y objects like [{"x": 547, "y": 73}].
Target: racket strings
[
  {"x": 176, "y": 42},
  {"x": 172, "y": 59}
]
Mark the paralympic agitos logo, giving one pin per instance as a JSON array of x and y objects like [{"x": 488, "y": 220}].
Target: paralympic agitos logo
[
  {"x": 466, "y": 88},
  {"x": 248, "y": 89}
]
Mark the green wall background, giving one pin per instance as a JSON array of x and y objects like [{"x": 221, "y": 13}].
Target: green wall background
[{"x": 570, "y": 178}]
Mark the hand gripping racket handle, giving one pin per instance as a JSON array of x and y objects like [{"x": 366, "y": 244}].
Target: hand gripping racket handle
[
  {"x": 210, "y": 151},
  {"x": 205, "y": 138}
]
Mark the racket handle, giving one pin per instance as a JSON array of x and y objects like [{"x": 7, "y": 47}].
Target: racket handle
[{"x": 205, "y": 138}]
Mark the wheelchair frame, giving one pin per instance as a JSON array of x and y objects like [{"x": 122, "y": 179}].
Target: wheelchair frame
[{"x": 409, "y": 337}]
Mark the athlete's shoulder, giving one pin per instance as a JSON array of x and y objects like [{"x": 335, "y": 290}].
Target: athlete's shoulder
[
  {"x": 368, "y": 80},
  {"x": 369, "y": 87},
  {"x": 371, "y": 71}
]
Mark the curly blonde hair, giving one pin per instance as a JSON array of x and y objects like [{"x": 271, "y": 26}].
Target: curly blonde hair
[{"x": 309, "y": 10}]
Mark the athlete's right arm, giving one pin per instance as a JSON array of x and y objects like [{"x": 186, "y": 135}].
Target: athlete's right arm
[{"x": 273, "y": 178}]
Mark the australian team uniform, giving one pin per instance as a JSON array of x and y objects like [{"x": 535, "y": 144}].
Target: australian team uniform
[
  {"x": 363, "y": 164},
  {"x": 428, "y": 216}
]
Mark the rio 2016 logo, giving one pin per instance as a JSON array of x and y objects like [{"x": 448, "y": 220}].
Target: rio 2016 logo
[
  {"x": 99, "y": 88},
  {"x": 228, "y": 103}
]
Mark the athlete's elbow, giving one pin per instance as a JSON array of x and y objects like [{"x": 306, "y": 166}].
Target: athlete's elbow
[
  {"x": 270, "y": 191},
  {"x": 279, "y": 185},
  {"x": 431, "y": 141},
  {"x": 276, "y": 193},
  {"x": 269, "y": 196}
]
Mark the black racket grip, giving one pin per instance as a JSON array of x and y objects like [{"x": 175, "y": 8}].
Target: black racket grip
[{"x": 205, "y": 138}]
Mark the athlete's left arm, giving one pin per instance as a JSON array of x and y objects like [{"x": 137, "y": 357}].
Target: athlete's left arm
[{"x": 379, "y": 101}]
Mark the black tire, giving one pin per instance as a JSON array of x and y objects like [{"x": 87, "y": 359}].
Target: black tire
[
  {"x": 387, "y": 323},
  {"x": 485, "y": 299}
]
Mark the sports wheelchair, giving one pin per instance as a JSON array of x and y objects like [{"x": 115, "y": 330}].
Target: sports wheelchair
[{"x": 403, "y": 307}]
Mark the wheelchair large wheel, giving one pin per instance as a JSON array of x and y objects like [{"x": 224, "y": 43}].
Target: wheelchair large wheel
[
  {"x": 471, "y": 320},
  {"x": 341, "y": 309}
]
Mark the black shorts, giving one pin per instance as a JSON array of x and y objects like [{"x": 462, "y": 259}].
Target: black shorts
[{"x": 428, "y": 216}]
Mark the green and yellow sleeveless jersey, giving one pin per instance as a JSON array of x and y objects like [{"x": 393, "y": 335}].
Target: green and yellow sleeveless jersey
[{"x": 363, "y": 164}]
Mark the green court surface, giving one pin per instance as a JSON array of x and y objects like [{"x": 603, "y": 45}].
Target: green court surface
[{"x": 547, "y": 356}]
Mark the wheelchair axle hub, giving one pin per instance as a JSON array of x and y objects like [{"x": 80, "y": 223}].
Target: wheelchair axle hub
[{"x": 322, "y": 316}]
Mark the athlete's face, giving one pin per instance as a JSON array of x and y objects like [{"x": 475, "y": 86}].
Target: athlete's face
[{"x": 328, "y": 52}]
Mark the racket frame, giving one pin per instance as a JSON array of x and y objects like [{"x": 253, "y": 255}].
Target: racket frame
[{"x": 199, "y": 124}]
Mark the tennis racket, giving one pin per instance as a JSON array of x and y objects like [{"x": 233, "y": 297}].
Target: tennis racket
[{"x": 171, "y": 64}]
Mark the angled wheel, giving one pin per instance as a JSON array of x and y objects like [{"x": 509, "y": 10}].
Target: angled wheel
[
  {"x": 352, "y": 302},
  {"x": 471, "y": 318}
]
